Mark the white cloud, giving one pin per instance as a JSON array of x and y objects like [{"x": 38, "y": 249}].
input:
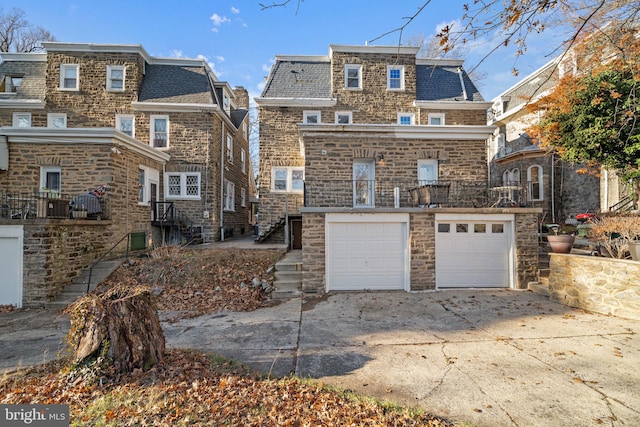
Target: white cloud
[
  {"x": 220, "y": 58},
  {"x": 235, "y": 10},
  {"x": 175, "y": 53},
  {"x": 218, "y": 21}
]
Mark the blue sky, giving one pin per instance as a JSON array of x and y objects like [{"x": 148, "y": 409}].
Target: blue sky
[{"x": 240, "y": 40}]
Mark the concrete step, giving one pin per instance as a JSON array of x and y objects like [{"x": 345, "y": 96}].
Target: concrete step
[
  {"x": 288, "y": 276},
  {"x": 538, "y": 288}
]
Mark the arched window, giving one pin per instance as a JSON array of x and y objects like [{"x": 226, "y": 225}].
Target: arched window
[
  {"x": 534, "y": 179},
  {"x": 514, "y": 177},
  {"x": 505, "y": 177}
]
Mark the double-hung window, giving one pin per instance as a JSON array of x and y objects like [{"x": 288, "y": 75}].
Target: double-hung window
[
  {"x": 69, "y": 76},
  {"x": 352, "y": 76},
  {"x": 10, "y": 84},
  {"x": 125, "y": 123},
  {"x": 229, "y": 149},
  {"x": 534, "y": 177},
  {"x": 395, "y": 77},
  {"x": 50, "y": 178},
  {"x": 287, "y": 179},
  {"x": 57, "y": 120},
  {"x": 229, "y": 196},
  {"x": 243, "y": 161},
  {"x": 22, "y": 120},
  {"x": 115, "y": 78},
  {"x": 159, "y": 131},
  {"x": 182, "y": 185}
]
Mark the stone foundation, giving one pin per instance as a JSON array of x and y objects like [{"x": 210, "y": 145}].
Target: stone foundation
[{"x": 602, "y": 285}]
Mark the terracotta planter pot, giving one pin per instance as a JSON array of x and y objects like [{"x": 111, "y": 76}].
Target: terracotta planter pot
[{"x": 562, "y": 243}]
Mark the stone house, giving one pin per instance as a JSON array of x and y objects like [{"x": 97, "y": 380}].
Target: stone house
[
  {"x": 167, "y": 139},
  {"x": 374, "y": 163},
  {"x": 515, "y": 160}
]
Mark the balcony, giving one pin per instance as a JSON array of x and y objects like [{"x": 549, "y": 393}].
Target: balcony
[
  {"x": 52, "y": 205},
  {"x": 412, "y": 194}
]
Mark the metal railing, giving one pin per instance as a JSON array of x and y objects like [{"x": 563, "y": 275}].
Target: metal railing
[
  {"x": 409, "y": 193},
  {"x": 167, "y": 214},
  {"x": 20, "y": 206}
]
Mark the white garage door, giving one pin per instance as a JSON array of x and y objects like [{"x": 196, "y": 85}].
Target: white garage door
[
  {"x": 473, "y": 251},
  {"x": 11, "y": 238},
  {"x": 365, "y": 251}
]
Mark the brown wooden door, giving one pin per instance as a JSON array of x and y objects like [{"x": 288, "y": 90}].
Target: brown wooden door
[{"x": 296, "y": 234}]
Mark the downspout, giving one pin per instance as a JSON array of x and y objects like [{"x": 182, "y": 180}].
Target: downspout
[
  {"x": 222, "y": 186},
  {"x": 553, "y": 189},
  {"x": 605, "y": 199},
  {"x": 464, "y": 90}
]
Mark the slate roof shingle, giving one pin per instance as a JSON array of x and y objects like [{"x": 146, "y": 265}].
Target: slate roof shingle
[
  {"x": 299, "y": 79},
  {"x": 33, "y": 79},
  {"x": 442, "y": 83},
  {"x": 176, "y": 84}
]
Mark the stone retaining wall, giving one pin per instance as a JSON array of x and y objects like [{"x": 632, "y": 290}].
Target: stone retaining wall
[{"x": 602, "y": 285}]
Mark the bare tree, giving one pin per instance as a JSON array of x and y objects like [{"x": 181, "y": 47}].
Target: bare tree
[{"x": 18, "y": 35}]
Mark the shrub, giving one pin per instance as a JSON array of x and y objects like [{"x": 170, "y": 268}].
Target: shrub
[{"x": 613, "y": 233}]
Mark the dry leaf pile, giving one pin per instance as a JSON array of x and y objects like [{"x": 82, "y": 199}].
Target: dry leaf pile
[
  {"x": 190, "y": 388},
  {"x": 200, "y": 281}
]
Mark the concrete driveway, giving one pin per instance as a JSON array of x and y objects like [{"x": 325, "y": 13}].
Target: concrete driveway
[{"x": 488, "y": 357}]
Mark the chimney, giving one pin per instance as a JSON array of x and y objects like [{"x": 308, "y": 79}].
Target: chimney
[{"x": 242, "y": 97}]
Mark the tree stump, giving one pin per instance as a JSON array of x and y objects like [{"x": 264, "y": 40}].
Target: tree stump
[{"x": 121, "y": 323}]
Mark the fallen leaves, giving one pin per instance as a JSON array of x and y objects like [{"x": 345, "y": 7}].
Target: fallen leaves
[{"x": 192, "y": 388}]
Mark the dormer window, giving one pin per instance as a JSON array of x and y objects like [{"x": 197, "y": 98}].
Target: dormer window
[
  {"x": 226, "y": 103},
  {"x": 352, "y": 76},
  {"x": 11, "y": 84},
  {"x": 436, "y": 119},
  {"x": 69, "y": 76},
  {"x": 311, "y": 117},
  {"x": 395, "y": 77},
  {"x": 343, "y": 117},
  {"x": 406, "y": 118}
]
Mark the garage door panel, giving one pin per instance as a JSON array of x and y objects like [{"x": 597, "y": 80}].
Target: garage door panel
[
  {"x": 366, "y": 255},
  {"x": 476, "y": 257},
  {"x": 11, "y": 263}
]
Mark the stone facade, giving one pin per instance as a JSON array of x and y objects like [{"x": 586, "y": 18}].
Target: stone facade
[{"x": 603, "y": 285}]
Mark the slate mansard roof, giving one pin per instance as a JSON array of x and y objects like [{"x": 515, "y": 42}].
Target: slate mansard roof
[
  {"x": 32, "y": 68},
  {"x": 176, "y": 84},
  {"x": 299, "y": 78},
  {"x": 443, "y": 83}
]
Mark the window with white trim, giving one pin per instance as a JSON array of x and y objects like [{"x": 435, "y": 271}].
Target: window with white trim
[
  {"x": 435, "y": 119},
  {"x": 287, "y": 179},
  {"x": 50, "y": 178},
  {"x": 125, "y": 123},
  {"x": 534, "y": 178},
  {"x": 511, "y": 177},
  {"x": 182, "y": 185},
  {"x": 148, "y": 179},
  {"x": 395, "y": 77},
  {"x": 245, "y": 131},
  {"x": 159, "y": 131},
  {"x": 142, "y": 179},
  {"x": 427, "y": 171},
  {"x": 57, "y": 120},
  {"x": 352, "y": 76},
  {"x": 69, "y": 76},
  {"x": 243, "y": 197},
  {"x": 229, "y": 196},
  {"x": 344, "y": 117},
  {"x": 226, "y": 102},
  {"x": 115, "y": 78},
  {"x": 406, "y": 118},
  {"x": 229, "y": 149},
  {"x": 243, "y": 161},
  {"x": 311, "y": 117},
  {"x": 10, "y": 84},
  {"x": 21, "y": 120}
]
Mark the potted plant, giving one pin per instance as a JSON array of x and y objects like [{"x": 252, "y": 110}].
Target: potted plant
[
  {"x": 561, "y": 243},
  {"x": 617, "y": 236}
]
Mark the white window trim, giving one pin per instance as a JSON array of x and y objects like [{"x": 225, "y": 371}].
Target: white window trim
[
  {"x": 151, "y": 176},
  {"x": 152, "y": 119},
  {"x": 395, "y": 67},
  {"x": 110, "y": 80},
  {"x": 435, "y": 116},
  {"x": 16, "y": 118},
  {"x": 289, "y": 184},
  {"x": 245, "y": 132},
  {"x": 243, "y": 161},
  {"x": 52, "y": 116},
  {"x": 229, "y": 149},
  {"x": 243, "y": 197},
  {"x": 348, "y": 67},
  {"x": 8, "y": 84},
  {"x": 183, "y": 186},
  {"x": 344, "y": 113},
  {"x": 306, "y": 114},
  {"x": 412, "y": 117},
  {"x": 43, "y": 178},
  {"x": 371, "y": 166},
  {"x": 119, "y": 118},
  {"x": 229, "y": 196},
  {"x": 540, "y": 181},
  {"x": 433, "y": 162},
  {"x": 64, "y": 67}
]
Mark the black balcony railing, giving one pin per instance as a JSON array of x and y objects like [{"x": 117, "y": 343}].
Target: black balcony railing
[
  {"x": 52, "y": 205},
  {"x": 396, "y": 193}
]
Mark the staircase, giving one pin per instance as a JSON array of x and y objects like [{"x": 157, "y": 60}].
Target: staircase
[
  {"x": 542, "y": 285},
  {"x": 79, "y": 285},
  {"x": 288, "y": 276},
  {"x": 273, "y": 228}
]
